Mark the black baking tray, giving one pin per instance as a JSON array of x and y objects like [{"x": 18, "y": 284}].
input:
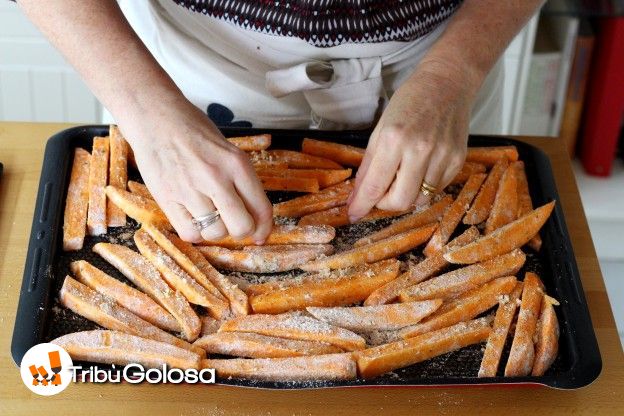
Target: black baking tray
[{"x": 39, "y": 317}]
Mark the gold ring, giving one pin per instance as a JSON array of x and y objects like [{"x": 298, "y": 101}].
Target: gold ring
[{"x": 428, "y": 189}]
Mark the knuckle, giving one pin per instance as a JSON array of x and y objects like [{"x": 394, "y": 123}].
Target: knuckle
[
  {"x": 395, "y": 133},
  {"x": 374, "y": 191}
]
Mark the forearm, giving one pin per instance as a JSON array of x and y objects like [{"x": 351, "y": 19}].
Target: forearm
[
  {"x": 96, "y": 39},
  {"x": 475, "y": 38}
]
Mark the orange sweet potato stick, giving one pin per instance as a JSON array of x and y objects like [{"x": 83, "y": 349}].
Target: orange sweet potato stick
[
  {"x": 505, "y": 207},
  {"x": 373, "y": 318},
  {"x": 525, "y": 204},
  {"x": 209, "y": 325},
  {"x": 137, "y": 207},
  {"x": 379, "y": 250},
  {"x": 341, "y": 153},
  {"x": 432, "y": 214},
  {"x": 250, "y": 345},
  {"x": 490, "y": 155},
  {"x": 251, "y": 143},
  {"x": 139, "y": 189},
  {"x": 239, "y": 304},
  {"x": 325, "y": 177},
  {"x": 295, "y": 159},
  {"x": 98, "y": 175},
  {"x": 264, "y": 259},
  {"x": 420, "y": 272},
  {"x": 547, "y": 332},
  {"x": 337, "y": 289},
  {"x": 105, "y": 312},
  {"x": 375, "y": 361},
  {"x": 134, "y": 300},
  {"x": 467, "y": 307},
  {"x": 283, "y": 234},
  {"x": 522, "y": 354},
  {"x": 293, "y": 184},
  {"x": 281, "y": 284},
  {"x": 496, "y": 341},
  {"x": 330, "y": 197},
  {"x": 467, "y": 170},
  {"x": 118, "y": 174},
  {"x": 114, "y": 347},
  {"x": 295, "y": 326},
  {"x": 482, "y": 204},
  {"x": 75, "y": 217},
  {"x": 464, "y": 279},
  {"x": 453, "y": 215},
  {"x": 504, "y": 239},
  {"x": 326, "y": 367},
  {"x": 178, "y": 278},
  {"x": 147, "y": 278},
  {"x": 338, "y": 216}
]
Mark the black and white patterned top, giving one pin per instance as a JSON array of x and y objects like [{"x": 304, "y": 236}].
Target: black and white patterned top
[{"x": 326, "y": 23}]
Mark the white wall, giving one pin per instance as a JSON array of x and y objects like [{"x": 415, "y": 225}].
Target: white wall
[{"x": 36, "y": 84}]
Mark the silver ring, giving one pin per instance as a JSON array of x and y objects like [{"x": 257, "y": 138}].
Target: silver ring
[{"x": 205, "y": 221}]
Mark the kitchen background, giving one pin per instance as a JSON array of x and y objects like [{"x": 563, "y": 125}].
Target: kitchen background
[{"x": 547, "y": 67}]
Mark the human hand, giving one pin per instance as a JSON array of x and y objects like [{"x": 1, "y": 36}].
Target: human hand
[
  {"x": 421, "y": 135},
  {"x": 191, "y": 170}
]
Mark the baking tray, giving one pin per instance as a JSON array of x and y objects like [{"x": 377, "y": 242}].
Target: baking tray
[{"x": 40, "y": 318}]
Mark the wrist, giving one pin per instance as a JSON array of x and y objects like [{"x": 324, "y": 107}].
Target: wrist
[{"x": 455, "y": 77}]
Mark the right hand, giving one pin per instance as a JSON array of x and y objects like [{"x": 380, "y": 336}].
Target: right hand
[{"x": 191, "y": 170}]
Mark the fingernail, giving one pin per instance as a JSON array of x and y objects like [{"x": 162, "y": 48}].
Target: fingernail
[
  {"x": 259, "y": 242},
  {"x": 354, "y": 218}
]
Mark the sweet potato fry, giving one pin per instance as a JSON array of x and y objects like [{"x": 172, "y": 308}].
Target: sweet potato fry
[
  {"x": 417, "y": 219},
  {"x": 134, "y": 300},
  {"x": 467, "y": 307},
  {"x": 295, "y": 159},
  {"x": 267, "y": 164},
  {"x": 283, "y": 234},
  {"x": 105, "y": 312},
  {"x": 379, "y": 250},
  {"x": 420, "y": 272},
  {"x": 468, "y": 169},
  {"x": 547, "y": 332},
  {"x": 264, "y": 259},
  {"x": 374, "y": 318},
  {"x": 482, "y": 204},
  {"x": 338, "y": 216},
  {"x": 341, "y": 153},
  {"x": 490, "y": 155},
  {"x": 137, "y": 207},
  {"x": 325, "y": 177},
  {"x": 139, "y": 189},
  {"x": 114, "y": 347},
  {"x": 178, "y": 278},
  {"x": 147, "y": 278},
  {"x": 453, "y": 215},
  {"x": 295, "y": 326},
  {"x": 117, "y": 175},
  {"x": 375, "y": 361},
  {"x": 239, "y": 304},
  {"x": 525, "y": 204},
  {"x": 504, "y": 239},
  {"x": 337, "y": 289},
  {"x": 308, "y": 368},
  {"x": 522, "y": 354},
  {"x": 293, "y": 184},
  {"x": 251, "y": 143},
  {"x": 250, "y": 345},
  {"x": 75, "y": 217},
  {"x": 329, "y": 197},
  {"x": 496, "y": 341},
  {"x": 98, "y": 175},
  {"x": 464, "y": 279},
  {"x": 505, "y": 207},
  {"x": 209, "y": 325}
]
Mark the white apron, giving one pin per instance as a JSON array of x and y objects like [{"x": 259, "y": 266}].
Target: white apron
[{"x": 246, "y": 78}]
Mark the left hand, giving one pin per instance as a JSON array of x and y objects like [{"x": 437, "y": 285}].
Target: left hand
[{"x": 422, "y": 135}]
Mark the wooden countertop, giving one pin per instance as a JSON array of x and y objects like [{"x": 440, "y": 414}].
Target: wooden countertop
[{"x": 21, "y": 152}]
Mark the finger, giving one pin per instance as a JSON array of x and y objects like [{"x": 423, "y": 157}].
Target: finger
[
  {"x": 258, "y": 205},
  {"x": 433, "y": 177},
  {"x": 375, "y": 183},
  {"x": 199, "y": 205},
  {"x": 180, "y": 218},
  {"x": 366, "y": 160},
  {"x": 237, "y": 219},
  {"x": 405, "y": 188}
]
